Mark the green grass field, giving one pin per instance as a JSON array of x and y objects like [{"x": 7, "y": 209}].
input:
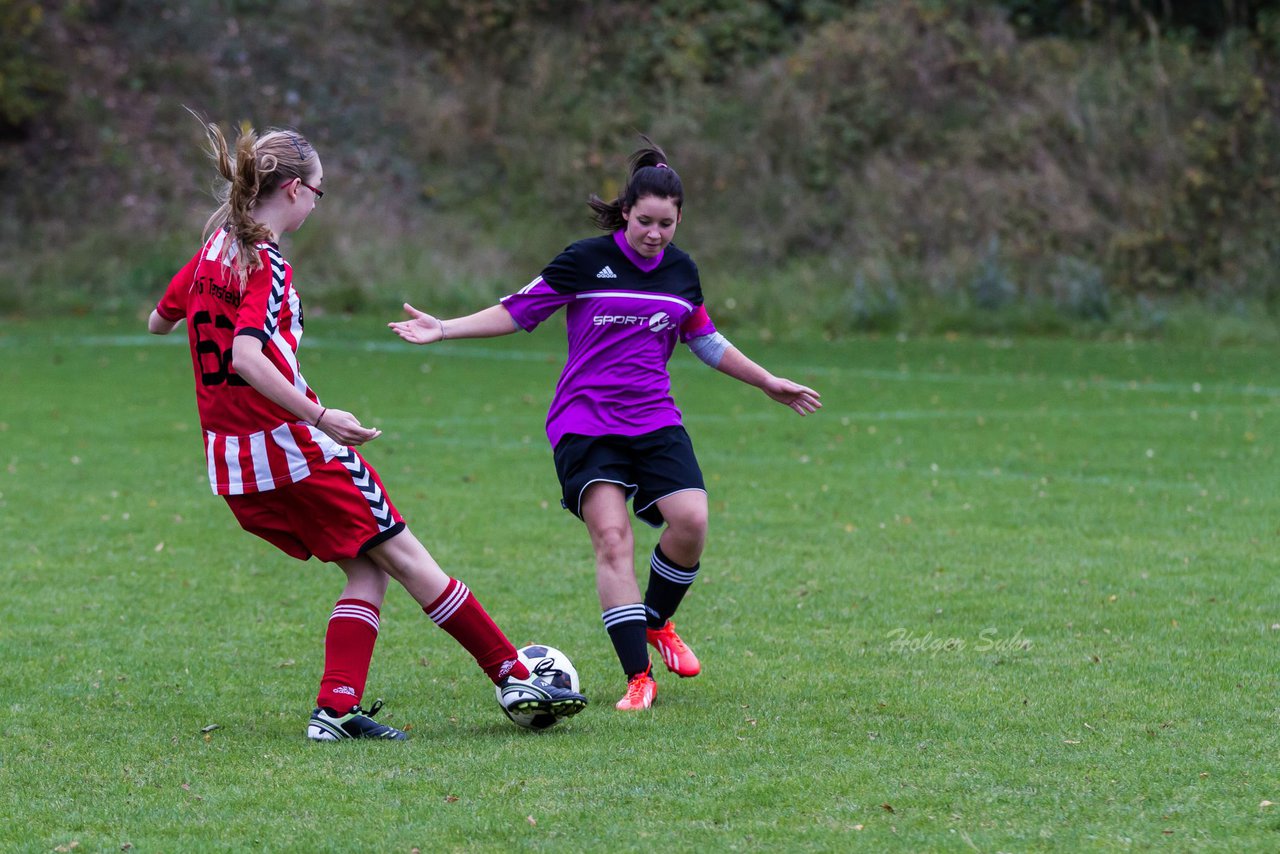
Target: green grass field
[{"x": 997, "y": 596}]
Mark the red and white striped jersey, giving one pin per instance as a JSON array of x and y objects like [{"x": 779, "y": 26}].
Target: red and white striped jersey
[{"x": 251, "y": 444}]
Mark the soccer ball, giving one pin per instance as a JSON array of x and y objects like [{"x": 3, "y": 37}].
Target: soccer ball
[{"x": 547, "y": 665}]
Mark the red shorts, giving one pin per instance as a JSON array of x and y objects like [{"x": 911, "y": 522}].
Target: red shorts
[{"x": 337, "y": 512}]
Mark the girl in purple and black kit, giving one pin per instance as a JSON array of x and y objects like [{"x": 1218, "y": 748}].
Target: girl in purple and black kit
[{"x": 629, "y": 297}]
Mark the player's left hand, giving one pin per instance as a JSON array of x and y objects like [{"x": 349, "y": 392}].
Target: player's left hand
[
  {"x": 345, "y": 429},
  {"x": 802, "y": 399}
]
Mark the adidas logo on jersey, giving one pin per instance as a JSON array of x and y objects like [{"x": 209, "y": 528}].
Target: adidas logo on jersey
[{"x": 606, "y": 273}]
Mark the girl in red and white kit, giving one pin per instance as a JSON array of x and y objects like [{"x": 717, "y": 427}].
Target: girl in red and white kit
[{"x": 284, "y": 462}]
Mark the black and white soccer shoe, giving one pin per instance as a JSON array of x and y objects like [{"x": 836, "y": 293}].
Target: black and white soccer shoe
[
  {"x": 327, "y": 725},
  {"x": 538, "y": 695}
]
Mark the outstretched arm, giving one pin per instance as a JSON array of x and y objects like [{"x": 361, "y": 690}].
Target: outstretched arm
[
  {"x": 423, "y": 328},
  {"x": 802, "y": 399}
]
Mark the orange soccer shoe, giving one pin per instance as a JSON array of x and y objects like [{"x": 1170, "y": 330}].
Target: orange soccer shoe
[
  {"x": 641, "y": 689},
  {"x": 679, "y": 659}
]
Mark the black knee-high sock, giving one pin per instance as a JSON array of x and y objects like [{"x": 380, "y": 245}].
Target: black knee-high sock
[
  {"x": 668, "y": 582},
  {"x": 625, "y": 625}
]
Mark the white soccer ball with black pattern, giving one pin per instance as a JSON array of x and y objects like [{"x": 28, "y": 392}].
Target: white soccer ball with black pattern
[{"x": 547, "y": 665}]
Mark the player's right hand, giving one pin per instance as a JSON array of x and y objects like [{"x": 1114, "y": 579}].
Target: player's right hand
[
  {"x": 345, "y": 429},
  {"x": 421, "y": 328}
]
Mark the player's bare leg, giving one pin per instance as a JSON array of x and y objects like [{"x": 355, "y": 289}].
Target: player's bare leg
[
  {"x": 604, "y": 509},
  {"x": 452, "y": 606},
  {"x": 673, "y": 566}
]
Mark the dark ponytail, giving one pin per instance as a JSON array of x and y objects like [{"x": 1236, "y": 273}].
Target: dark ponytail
[{"x": 648, "y": 175}]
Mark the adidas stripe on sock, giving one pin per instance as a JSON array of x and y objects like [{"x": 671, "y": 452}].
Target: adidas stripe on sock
[
  {"x": 668, "y": 583},
  {"x": 625, "y": 625},
  {"x": 348, "y": 649},
  {"x": 460, "y": 614}
]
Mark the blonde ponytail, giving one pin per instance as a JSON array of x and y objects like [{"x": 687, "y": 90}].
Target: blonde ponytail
[{"x": 256, "y": 168}]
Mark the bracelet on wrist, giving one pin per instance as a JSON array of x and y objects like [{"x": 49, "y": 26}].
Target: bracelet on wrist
[
  {"x": 316, "y": 423},
  {"x": 441, "y": 322}
]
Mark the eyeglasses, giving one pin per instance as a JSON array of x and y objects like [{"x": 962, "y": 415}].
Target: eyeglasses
[{"x": 319, "y": 193}]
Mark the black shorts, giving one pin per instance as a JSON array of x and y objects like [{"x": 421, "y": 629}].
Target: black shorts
[{"x": 648, "y": 467}]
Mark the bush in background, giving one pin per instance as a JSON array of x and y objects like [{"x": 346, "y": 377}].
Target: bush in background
[{"x": 850, "y": 166}]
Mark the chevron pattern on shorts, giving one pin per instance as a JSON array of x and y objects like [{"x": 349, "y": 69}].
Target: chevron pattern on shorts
[{"x": 362, "y": 477}]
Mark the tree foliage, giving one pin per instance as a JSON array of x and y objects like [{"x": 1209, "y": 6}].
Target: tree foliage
[
  {"x": 1206, "y": 20},
  {"x": 876, "y": 152},
  {"x": 30, "y": 79}
]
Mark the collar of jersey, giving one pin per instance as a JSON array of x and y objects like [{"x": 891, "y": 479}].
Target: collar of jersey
[{"x": 646, "y": 265}]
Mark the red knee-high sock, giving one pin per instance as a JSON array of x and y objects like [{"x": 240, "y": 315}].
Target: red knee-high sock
[
  {"x": 461, "y": 615},
  {"x": 348, "y": 648}
]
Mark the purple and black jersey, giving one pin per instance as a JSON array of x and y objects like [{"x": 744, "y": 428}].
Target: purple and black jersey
[{"x": 624, "y": 315}]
